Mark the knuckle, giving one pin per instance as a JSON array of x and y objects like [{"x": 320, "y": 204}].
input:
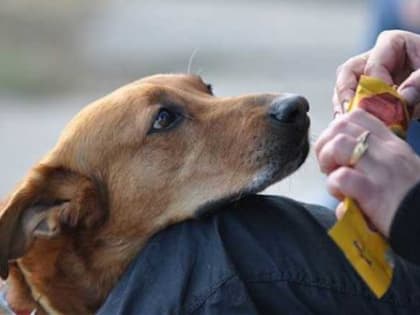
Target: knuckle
[
  {"x": 357, "y": 115},
  {"x": 340, "y": 141},
  {"x": 343, "y": 175},
  {"x": 384, "y": 35},
  {"x": 348, "y": 65},
  {"x": 394, "y": 38},
  {"x": 415, "y": 78},
  {"x": 324, "y": 158},
  {"x": 352, "y": 61},
  {"x": 372, "y": 65},
  {"x": 318, "y": 150},
  {"x": 388, "y": 35},
  {"x": 341, "y": 87},
  {"x": 341, "y": 125},
  {"x": 323, "y": 166}
]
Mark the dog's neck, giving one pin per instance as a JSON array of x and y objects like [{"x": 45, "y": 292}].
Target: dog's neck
[{"x": 51, "y": 289}]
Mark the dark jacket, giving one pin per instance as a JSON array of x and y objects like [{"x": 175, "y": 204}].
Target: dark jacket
[
  {"x": 405, "y": 227},
  {"x": 261, "y": 255}
]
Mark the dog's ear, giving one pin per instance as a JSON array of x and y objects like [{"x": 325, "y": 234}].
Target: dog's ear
[{"x": 49, "y": 201}]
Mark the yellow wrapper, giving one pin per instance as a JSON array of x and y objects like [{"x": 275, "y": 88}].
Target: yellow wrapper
[{"x": 367, "y": 251}]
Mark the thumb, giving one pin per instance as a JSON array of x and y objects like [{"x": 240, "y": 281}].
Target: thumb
[
  {"x": 410, "y": 88},
  {"x": 340, "y": 210}
]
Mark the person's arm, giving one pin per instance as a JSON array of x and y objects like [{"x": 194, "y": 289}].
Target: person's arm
[{"x": 404, "y": 234}]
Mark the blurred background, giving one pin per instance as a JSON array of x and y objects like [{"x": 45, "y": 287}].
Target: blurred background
[{"x": 57, "y": 56}]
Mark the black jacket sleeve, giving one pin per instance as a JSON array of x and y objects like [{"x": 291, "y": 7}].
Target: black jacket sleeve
[
  {"x": 261, "y": 255},
  {"x": 405, "y": 228}
]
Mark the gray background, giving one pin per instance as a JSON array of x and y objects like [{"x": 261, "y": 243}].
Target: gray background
[{"x": 57, "y": 57}]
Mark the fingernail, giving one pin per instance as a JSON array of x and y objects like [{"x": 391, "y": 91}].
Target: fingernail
[
  {"x": 411, "y": 95},
  {"x": 345, "y": 106}
]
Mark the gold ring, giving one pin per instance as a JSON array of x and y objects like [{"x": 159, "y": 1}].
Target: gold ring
[{"x": 360, "y": 148}]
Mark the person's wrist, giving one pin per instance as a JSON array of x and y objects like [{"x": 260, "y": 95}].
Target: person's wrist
[
  {"x": 404, "y": 233},
  {"x": 404, "y": 187}
]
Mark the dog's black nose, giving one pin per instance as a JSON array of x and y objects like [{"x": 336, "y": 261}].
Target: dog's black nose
[{"x": 289, "y": 109}]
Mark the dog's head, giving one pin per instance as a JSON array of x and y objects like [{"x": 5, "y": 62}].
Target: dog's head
[{"x": 152, "y": 153}]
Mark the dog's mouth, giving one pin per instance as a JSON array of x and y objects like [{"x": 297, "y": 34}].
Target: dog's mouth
[
  {"x": 286, "y": 149},
  {"x": 276, "y": 168}
]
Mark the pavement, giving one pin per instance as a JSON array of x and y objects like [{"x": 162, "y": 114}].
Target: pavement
[{"x": 238, "y": 47}]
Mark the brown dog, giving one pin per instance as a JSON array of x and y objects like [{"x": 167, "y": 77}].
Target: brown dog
[{"x": 148, "y": 155}]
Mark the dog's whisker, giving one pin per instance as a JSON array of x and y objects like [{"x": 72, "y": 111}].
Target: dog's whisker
[{"x": 191, "y": 59}]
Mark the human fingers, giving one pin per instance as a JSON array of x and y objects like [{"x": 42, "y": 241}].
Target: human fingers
[
  {"x": 340, "y": 210},
  {"x": 350, "y": 182},
  {"x": 379, "y": 180},
  {"x": 394, "y": 56},
  {"x": 338, "y": 126},
  {"x": 387, "y": 57},
  {"x": 367, "y": 121},
  {"x": 336, "y": 152},
  {"x": 353, "y": 124},
  {"x": 347, "y": 150},
  {"x": 348, "y": 75},
  {"x": 410, "y": 88},
  {"x": 356, "y": 185}
]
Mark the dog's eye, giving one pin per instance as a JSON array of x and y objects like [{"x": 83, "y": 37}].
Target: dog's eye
[{"x": 165, "y": 119}]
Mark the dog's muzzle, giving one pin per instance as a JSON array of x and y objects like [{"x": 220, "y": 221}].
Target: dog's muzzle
[{"x": 290, "y": 109}]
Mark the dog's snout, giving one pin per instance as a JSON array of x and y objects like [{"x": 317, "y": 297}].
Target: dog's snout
[{"x": 289, "y": 109}]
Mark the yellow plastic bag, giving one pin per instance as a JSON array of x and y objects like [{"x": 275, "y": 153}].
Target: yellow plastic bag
[{"x": 367, "y": 251}]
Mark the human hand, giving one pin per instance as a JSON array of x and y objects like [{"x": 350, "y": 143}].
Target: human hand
[
  {"x": 395, "y": 59},
  {"x": 380, "y": 179}
]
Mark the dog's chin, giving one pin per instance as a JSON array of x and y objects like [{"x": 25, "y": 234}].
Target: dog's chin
[
  {"x": 272, "y": 173},
  {"x": 275, "y": 171}
]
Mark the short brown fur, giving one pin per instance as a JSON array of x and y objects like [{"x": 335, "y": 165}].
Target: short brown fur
[{"x": 70, "y": 229}]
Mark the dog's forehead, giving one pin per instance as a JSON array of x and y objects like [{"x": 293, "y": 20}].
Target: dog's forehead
[
  {"x": 178, "y": 81},
  {"x": 123, "y": 116},
  {"x": 134, "y": 99}
]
